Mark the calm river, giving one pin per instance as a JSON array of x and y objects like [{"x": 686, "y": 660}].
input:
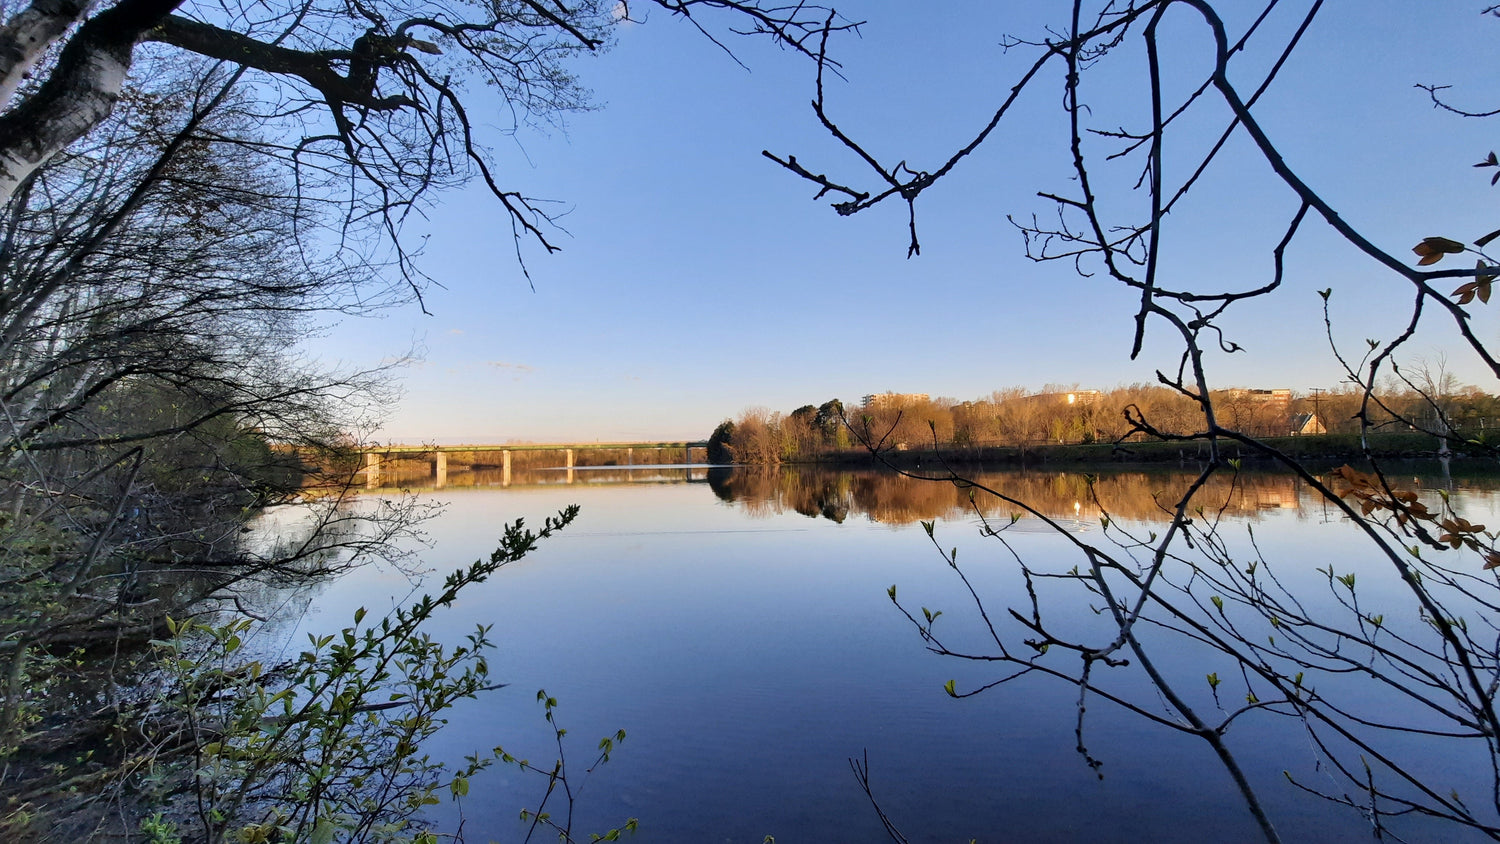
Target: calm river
[{"x": 740, "y": 631}]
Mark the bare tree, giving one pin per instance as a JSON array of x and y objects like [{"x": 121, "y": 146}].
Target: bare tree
[
  {"x": 150, "y": 403},
  {"x": 184, "y": 190},
  {"x": 1294, "y": 654},
  {"x": 374, "y": 99}
]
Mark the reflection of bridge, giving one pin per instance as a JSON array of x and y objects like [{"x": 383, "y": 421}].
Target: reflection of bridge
[{"x": 377, "y": 455}]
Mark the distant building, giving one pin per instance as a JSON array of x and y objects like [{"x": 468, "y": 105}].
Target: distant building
[
  {"x": 1304, "y": 424},
  {"x": 1261, "y": 413},
  {"x": 1277, "y": 400},
  {"x": 882, "y": 401},
  {"x": 1077, "y": 398}
]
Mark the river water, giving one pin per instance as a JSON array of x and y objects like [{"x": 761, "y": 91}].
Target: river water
[{"x": 737, "y": 626}]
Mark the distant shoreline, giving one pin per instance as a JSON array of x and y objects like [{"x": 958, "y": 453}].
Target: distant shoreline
[{"x": 1316, "y": 447}]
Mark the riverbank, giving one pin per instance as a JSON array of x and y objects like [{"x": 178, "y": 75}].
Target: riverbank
[{"x": 1335, "y": 448}]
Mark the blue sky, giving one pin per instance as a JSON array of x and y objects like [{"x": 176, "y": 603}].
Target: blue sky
[{"x": 698, "y": 279}]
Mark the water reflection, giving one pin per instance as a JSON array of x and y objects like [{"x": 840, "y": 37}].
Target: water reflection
[
  {"x": 737, "y": 624},
  {"x": 1071, "y": 498}
]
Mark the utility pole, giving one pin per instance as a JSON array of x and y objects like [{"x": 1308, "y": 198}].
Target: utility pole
[{"x": 1317, "y": 393}]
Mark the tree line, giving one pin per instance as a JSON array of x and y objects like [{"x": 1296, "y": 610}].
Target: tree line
[{"x": 1067, "y": 414}]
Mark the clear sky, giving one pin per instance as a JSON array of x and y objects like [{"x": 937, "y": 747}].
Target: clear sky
[{"x": 698, "y": 279}]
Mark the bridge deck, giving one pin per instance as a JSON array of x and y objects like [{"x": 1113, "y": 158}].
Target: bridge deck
[{"x": 593, "y": 446}]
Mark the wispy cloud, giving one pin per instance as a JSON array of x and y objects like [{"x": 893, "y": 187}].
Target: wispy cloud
[
  {"x": 518, "y": 367},
  {"x": 456, "y": 331}
]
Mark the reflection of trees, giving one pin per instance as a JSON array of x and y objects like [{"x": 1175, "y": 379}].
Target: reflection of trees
[{"x": 894, "y": 499}]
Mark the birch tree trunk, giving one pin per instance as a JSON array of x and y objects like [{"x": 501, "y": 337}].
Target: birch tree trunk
[{"x": 83, "y": 88}]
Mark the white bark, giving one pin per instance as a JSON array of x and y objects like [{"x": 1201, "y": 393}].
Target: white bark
[
  {"x": 80, "y": 88},
  {"x": 28, "y": 34},
  {"x": 100, "y": 80}
]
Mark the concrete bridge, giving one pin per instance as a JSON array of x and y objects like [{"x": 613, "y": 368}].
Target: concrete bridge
[{"x": 377, "y": 455}]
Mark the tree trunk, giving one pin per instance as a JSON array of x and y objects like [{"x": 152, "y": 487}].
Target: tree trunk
[{"x": 80, "y": 92}]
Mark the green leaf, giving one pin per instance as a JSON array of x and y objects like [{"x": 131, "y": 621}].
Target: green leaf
[
  {"x": 949, "y": 687},
  {"x": 322, "y": 832}
]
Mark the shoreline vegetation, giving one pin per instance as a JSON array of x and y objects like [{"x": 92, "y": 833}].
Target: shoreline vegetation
[
  {"x": 1312, "y": 447},
  {"x": 1131, "y": 424}
]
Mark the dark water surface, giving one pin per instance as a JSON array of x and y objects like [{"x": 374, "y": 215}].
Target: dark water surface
[{"x": 741, "y": 634}]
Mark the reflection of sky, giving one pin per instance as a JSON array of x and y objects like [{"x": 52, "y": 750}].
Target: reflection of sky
[{"x": 747, "y": 658}]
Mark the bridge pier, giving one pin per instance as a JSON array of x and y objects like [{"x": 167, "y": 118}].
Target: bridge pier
[
  {"x": 372, "y": 469},
  {"x": 378, "y": 455}
]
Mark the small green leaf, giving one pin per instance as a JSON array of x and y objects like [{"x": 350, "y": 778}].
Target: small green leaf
[{"x": 949, "y": 687}]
